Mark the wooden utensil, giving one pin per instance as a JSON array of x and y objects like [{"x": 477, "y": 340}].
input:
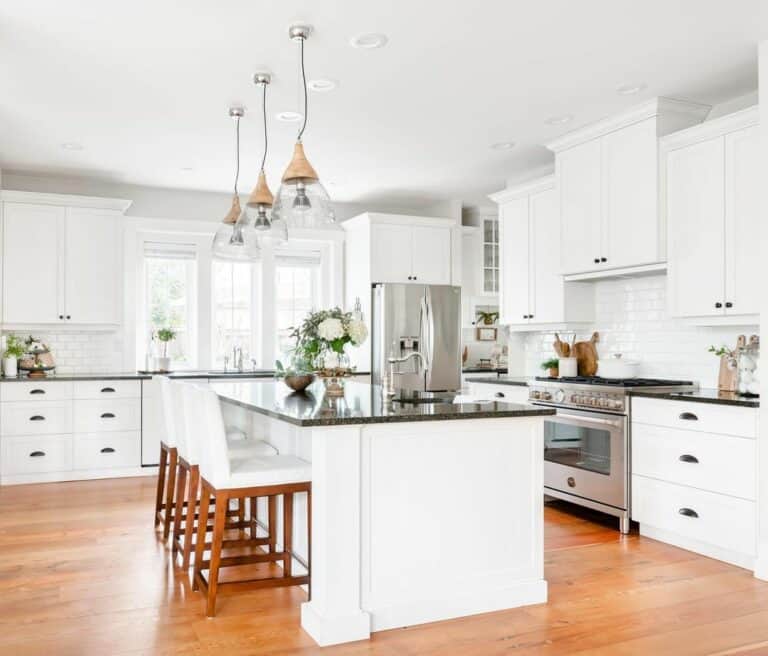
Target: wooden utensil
[
  {"x": 562, "y": 348},
  {"x": 586, "y": 355}
]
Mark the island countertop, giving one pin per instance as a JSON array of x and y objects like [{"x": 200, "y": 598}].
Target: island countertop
[{"x": 362, "y": 404}]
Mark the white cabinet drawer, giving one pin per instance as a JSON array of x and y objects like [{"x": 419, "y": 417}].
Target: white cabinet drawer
[
  {"x": 34, "y": 454},
  {"x": 93, "y": 416},
  {"x": 705, "y": 417},
  {"x": 714, "y": 519},
  {"x": 502, "y": 393},
  {"x": 718, "y": 463},
  {"x": 107, "y": 389},
  {"x": 36, "y": 418},
  {"x": 107, "y": 450},
  {"x": 35, "y": 391}
]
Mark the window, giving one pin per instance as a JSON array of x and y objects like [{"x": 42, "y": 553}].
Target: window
[
  {"x": 170, "y": 272},
  {"x": 297, "y": 291},
  {"x": 233, "y": 321}
]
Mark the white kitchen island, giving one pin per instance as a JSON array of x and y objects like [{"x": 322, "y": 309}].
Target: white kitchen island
[{"x": 420, "y": 512}]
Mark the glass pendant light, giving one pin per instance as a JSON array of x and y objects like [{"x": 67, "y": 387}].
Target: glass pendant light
[
  {"x": 302, "y": 202},
  {"x": 232, "y": 241},
  {"x": 258, "y": 210}
]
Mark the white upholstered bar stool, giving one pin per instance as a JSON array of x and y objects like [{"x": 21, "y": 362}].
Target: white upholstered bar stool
[
  {"x": 223, "y": 479},
  {"x": 168, "y": 465}
]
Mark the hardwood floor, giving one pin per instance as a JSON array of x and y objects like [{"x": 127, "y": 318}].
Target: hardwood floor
[{"x": 83, "y": 573}]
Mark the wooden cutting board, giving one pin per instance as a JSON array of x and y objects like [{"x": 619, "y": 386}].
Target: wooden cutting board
[{"x": 586, "y": 355}]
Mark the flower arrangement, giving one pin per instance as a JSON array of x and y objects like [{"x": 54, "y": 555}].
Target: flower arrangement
[{"x": 322, "y": 336}]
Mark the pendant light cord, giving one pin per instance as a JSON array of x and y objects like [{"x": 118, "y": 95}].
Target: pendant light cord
[
  {"x": 264, "y": 114},
  {"x": 304, "y": 83},
  {"x": 237, "y": 151}
]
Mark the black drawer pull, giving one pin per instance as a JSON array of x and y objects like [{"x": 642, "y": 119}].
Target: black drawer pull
[
  {"x": 688, "y": 416},
  {"x": 107, "y": 449},
  {"x": 499, "y": 395},
  {"x": 688, "y": 458},
  {"x": 688, "y": 512},
  {"x": 37, "y": 454},
  {"x": 107, "y": 415},
  {"x": 37, "y": 391},
  {"x": 105, "y": 390},
  {"x": 37, "y": 418}
]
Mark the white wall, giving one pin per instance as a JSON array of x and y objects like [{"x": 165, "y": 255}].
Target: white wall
[{"x": 631, "y": 317}]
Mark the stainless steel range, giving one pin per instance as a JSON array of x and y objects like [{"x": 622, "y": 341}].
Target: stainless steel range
[{"x": 587, "y": 443}]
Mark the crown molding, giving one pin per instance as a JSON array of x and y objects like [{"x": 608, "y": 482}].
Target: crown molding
[
  {"x": 649, "y": 109},
  {"x": 524, "y": 189},
  {"x": 717, "y": 127},
  {"x": 92, "y": 202}
]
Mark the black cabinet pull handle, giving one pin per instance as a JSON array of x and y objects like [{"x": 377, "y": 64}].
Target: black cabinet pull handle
[
  {"x": 37, "y": 454},
  {"x": 61, "y": 316},
  {"x": 37, "y": 391},
  {"x": 69, "y": 316},
  {"x": 107, "y": 389},
  {"x": 107, "y": 415},
  {"x": 688, "y": 512},
  {"x": 603, "y": 259},
  {"x": 37, "y": 418},
  {"x": 107, "y": 449},
  {"x": 597, "y": 260},
  {"x": 688, "y": 416},
  {"x": 718, "y": 305},
  {"x": 499, "y": 395},
  {"x": 686, "y": 457},
  {"x": 728, "y": 304},
  {"x": 530, "y": 316}
]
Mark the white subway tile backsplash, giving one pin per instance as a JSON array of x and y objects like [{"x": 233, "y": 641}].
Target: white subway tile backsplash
[{"x": 631, "y": 317}]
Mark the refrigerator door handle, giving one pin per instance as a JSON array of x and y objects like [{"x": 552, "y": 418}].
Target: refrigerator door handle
[{"x": 425, "y": 328}]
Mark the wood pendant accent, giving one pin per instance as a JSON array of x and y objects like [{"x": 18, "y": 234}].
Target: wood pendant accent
[
  {"x": 261, "y": 195},
  {"x": 299, "y": 168},
  {"x": 234, "y": 212}
]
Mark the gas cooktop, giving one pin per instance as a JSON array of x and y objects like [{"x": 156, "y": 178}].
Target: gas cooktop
[{"x": 615, "y": 382}]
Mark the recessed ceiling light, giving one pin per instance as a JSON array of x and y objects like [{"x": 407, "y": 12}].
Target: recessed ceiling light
[
  {"x": 503, "y": 145},
  {"x": 288, "y": 117},
  {"x": 629, "y": 89},
  {"x": 72, "y": 145},
  {"x": 322, "y": 84},
  {"x": 369, "y": 41},
  {"x": 559, "y": 120}
]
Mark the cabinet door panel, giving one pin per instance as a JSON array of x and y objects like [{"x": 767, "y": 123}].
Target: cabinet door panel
[
  {"x": 391, "y": 250},
  {"x": 578, "y": 178},
  {"x": 31, "y": 263},
  {"x": 92, "y": 266},
  {"x": 630, "y": 226},
  {"x": 431, "y": 255},
  {"x": 696, "y": 228},
  {"x": 514, "y": 258},
  {"x": 547, "y": 302},
  {"x": 742, "y": 221}
]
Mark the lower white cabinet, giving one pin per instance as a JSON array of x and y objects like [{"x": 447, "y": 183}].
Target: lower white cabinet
[
  {"x": 694, "y": 476},
  {"x": 36, "y": 417},
  {"x": 94, "y": 415},
  {"x": 107, "y": 450},
  {"x": 35, "y": 454}
]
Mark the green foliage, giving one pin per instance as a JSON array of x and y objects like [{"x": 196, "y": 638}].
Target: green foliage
[
  {"x": 720, "y": 351},
  {"x": 14, "y": 347},
  {"x": 487, "y": 318},
  {"x": 166, "y": 334},
  {"x": 310, "y": 344},
  {"x": 552, "y": 363}
]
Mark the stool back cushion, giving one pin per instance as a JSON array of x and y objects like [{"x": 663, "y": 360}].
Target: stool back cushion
[
  {"x": 166, "y": 403},
  {"x": 185, "y": 441},
  {"x": 214, "y": 452}
]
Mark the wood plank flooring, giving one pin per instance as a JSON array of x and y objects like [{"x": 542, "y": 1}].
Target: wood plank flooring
[{"x": 82, "y": 573}]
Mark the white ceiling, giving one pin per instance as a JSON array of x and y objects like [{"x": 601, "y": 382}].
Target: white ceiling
[{"x": 145, "y": 86}]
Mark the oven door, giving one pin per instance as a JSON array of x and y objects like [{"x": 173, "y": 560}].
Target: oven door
[{"x": 585, "y": 454}]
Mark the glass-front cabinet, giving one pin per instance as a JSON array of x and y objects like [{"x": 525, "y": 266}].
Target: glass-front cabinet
[{"x": 490, "y": 234}]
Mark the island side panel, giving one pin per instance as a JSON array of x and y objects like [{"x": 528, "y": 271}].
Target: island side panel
[{"x": 452, "y": 519}]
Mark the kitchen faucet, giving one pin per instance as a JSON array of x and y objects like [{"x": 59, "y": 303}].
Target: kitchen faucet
[
  {"x": 388, "y": 389},
  {"x": 237, "y": 358}
]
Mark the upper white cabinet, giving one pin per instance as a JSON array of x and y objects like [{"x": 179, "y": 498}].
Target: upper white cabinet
[
  {"x": 532, "y": 290},
  {"x": 61, "y": 263},
  {"x": 607, "y": 177},
  {"x": 712, "y": 206}
]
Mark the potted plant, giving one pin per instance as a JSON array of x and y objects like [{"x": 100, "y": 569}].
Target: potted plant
[
  {"x": 487, "y": 318},
  {"x": 165, "y": 335},
  {"x": 552, "y": 367},
  {"x": 298, "y": 375},
  {"x": 14, "y": 350}
]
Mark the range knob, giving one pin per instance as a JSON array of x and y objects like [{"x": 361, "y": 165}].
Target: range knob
[
  {"x": 617, "y": 405},
  {"x": 535, "y": 394},
  {"x": 559, "y": 396},
  {"x": 546, "y": 396},
  {"x": 592, "y": 400}
]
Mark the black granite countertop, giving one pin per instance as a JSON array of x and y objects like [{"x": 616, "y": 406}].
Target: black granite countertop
[
  {"x": 135, "y": 375},
  {"x": 362, "y": 404},
  {"x": 521, "y": 381},
  {"x": 701, "y": 396}
]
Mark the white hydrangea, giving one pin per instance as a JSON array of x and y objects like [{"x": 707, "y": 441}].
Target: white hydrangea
[
  {"x": 330, "y": 329},
  {"x": 358, "y": 333}
]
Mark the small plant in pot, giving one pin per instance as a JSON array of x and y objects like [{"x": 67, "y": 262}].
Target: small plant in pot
[
  {"x": 14, "y": 350},
  {"x": 552, "y": 367},
  {"x": 299, "y": 375},
  {"x": 487, "y": 318},
  {"x": 165, "y": 336}
]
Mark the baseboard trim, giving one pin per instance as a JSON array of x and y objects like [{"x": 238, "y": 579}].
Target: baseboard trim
[
  {"x": 75, "y": 475},
  {"x": 327, "y": 631},
  {"x": 697, "y": 546}
]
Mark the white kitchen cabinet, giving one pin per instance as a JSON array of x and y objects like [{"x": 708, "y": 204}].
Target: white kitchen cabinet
[
  {"x": 533, "y": 292},
  {"x": 61, "y": 260},
  {"x": 712, "y": 205},
  {"x": 418, "y": 254},
  {"x": 431, "y": 253},
  {"x": 608, "y": 184}
]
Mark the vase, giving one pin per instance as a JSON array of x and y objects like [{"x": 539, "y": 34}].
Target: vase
[
  {"x": 162, "y": 365},
  {"x": 10, "y": 368}
]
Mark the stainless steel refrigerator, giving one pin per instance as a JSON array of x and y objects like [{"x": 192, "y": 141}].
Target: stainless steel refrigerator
[{"x": 424, "y": 318}]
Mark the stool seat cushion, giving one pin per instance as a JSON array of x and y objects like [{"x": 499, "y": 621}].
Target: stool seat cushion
[
  {"x": 269, "y": 470},
  {"x": 247, "y": 448}
]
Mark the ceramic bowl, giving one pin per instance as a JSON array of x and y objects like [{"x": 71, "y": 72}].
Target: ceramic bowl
[{"x": 299, "y": 383}]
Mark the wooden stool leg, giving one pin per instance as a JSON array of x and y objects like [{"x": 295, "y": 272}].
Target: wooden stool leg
[
  {"x": 170, "y": 489},
  {"x": 189, "y": 526},
  {"x": 219, "y": 521},
  {"x": 160, "y": 483},
  {"x": 202, "y": 529},
  {"x": 181, "y": 486},
  {"x": 287, "y": 534},
  {"x": 254, "y": 516},
  {"x": 272, "y": 519}
]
